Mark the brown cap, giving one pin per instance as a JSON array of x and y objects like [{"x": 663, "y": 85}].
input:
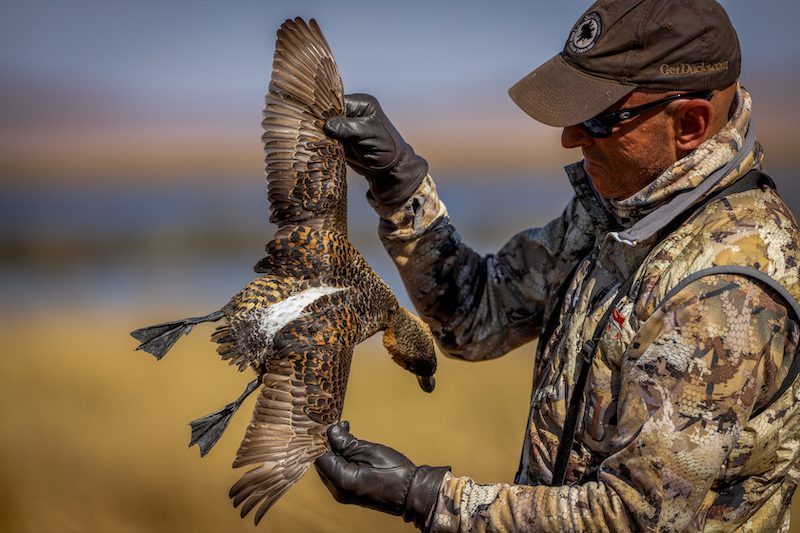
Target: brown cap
[{"x": 621, "y": 45}]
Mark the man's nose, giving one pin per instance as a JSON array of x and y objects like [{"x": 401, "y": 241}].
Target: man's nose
[{"x": 575, "y": 137}]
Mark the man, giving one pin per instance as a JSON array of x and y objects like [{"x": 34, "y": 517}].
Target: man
[{"x": 664, "y": 298}]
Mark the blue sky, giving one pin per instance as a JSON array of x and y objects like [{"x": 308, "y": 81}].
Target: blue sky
[
  {"x": 198, "y": 51},
  {"x": 178, "y": 70}
]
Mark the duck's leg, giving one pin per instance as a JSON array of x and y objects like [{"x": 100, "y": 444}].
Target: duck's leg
[
  {"x": 207, "y": 430},
  {"x": 158, "y": 339}
]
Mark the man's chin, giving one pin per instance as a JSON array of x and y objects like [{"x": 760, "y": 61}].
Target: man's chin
[
  {"x": 593, "y": 170},
  {"x": 597, "y": 175},
  {"x": 605, "y": 189}
]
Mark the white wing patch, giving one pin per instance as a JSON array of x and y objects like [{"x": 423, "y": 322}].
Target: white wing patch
[{"x": 279, "y": 314}]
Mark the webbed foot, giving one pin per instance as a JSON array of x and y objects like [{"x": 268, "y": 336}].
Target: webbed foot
[
  {"x": 158, "y": 339},
  {"x": 206, "y": 431}
]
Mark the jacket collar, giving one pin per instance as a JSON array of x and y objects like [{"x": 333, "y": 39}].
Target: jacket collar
[
  {"x": 623, "y": 248},
  {"x": 649, "y": 225}
]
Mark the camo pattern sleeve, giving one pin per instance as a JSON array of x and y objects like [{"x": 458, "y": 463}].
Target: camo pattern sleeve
[
  {"x": 690, "y": 379},
  {"x": 480, "y": 307}
]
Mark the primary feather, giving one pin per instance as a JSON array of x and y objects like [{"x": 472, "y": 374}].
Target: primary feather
[{"x": 306, "y": 182}]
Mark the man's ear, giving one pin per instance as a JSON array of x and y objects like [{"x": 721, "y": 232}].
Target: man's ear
[{"x": 692, "y": 123}]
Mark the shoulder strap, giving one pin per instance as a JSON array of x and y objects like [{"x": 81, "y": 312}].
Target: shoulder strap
[
  {"x": 767, "y": 280},
  {"x": 752, "y": 180},
  {"x": 552, "y": 320},
  {"x": 573, "y": 409}
]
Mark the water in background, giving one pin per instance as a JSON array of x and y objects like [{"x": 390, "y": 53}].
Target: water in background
[{"x": 188, "y": 247}]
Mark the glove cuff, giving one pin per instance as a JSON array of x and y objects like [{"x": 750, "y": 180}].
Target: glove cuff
[
  {"x": 397, "y": 185},
  {"x": 422, "y": 494}
]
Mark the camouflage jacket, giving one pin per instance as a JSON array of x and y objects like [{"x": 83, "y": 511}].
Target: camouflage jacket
[{"x": 666, "y": 439}]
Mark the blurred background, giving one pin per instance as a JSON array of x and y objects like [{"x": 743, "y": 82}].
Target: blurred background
[{"x": 133, "y": 193}]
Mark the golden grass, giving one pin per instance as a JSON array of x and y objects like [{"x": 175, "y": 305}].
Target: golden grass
[{"x": 94, "y": 435}]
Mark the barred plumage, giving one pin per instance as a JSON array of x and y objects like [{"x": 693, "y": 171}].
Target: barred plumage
[{"x": 297, "y": 325}]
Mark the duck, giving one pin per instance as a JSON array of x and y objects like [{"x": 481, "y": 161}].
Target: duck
[{"x": 296, "y": 325}]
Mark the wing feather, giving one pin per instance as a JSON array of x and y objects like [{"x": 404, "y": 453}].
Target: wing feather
[
  {"x": 302, "y": 395},
  {"x": 305, "y": 169}
]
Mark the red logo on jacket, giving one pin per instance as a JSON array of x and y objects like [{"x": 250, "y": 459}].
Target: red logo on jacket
[{"x": 617, "y": 320}]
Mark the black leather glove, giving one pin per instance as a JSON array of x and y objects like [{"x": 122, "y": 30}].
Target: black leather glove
[
  {"x": 375, "y": 149},
  {"x": 376, "y": 476}
]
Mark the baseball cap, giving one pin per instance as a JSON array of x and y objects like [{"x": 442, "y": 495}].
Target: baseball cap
[{"x": 621, "y": 45}]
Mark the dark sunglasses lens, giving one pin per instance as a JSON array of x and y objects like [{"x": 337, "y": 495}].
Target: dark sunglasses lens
[{"x": 596, "y": 128}]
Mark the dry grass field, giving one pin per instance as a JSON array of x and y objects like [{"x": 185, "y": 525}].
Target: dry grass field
[{"x": 94, "y": 435}]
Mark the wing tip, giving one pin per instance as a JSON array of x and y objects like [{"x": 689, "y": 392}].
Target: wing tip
[
  {"x": 299, "y": 22},
  {"x": 304, "y": 90}
]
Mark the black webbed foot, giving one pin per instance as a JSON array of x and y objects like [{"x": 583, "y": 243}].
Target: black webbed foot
[
  {"x": 206, "y": 431},
  {"x": 158, "y": 339}
]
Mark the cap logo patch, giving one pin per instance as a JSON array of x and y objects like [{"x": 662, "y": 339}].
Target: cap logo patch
[{"x": 585, "y": 33}]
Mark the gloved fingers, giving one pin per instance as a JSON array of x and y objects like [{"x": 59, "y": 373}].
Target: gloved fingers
[
  {"x": 361, "y": 452},
  {"x": 346, "y": 129},
  {"x": 336, "y": 474},
  {"x": 336, "y": 470},
  {"x": 327, "y": 468},
  {"x": 326, "y": 465},
  {"x": 340, "y": 438},
  {"x": 361, "y": 105},
  {"x": 376, "y": 456}
]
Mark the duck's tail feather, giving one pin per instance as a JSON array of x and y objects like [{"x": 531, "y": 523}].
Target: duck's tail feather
[
  {"x": 207, "y": 430},
  {"x": 228, "y": 347},
  {"x": 158, "y": 339}
]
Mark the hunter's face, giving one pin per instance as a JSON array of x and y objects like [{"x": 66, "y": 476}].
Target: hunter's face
[{"x": 635, "y": 154}]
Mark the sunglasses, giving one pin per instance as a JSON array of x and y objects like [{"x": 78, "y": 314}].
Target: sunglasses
[{"x": 602, "y": 125}]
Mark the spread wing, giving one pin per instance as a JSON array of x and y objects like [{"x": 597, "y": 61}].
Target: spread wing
[
  {"x": 303, "y": 393},
  {"x": 306, "y": 182}
]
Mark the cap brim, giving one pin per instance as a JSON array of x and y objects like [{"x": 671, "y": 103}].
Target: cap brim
[{"x": 558, "y": 94}]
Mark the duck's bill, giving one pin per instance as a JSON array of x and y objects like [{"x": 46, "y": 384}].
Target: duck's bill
[{"x": 426, "y": 383}]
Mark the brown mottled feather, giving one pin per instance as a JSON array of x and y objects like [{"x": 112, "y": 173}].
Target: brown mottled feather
[
  {"x": 305, "y": 366},
  {"x": 239, "y": 339},
  {"x": 296, "y": 326},
  {"x": 302, "y": 395},
  {"x": 305, "y": 169},
  {"x": 327, "y": 256}
]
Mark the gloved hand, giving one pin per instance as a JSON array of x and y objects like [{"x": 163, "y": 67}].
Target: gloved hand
[
  {"x": 375, "y": 149},
  {"x": 376, "y": 476}
]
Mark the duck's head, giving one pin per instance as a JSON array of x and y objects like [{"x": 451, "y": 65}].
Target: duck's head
[{"x": 408, "y": 339}]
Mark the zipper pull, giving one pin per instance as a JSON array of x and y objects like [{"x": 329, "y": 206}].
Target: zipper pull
[{"x": 587, "y": 350}]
